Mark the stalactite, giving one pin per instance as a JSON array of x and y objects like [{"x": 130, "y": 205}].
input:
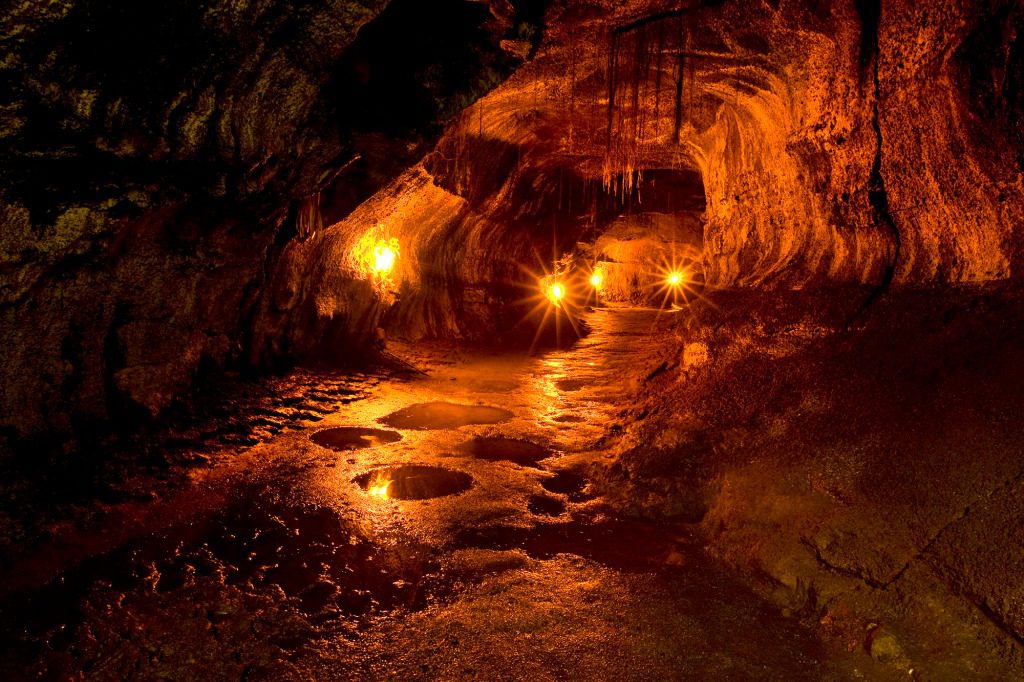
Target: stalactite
[
  {"x": 660, "y": 54},
  {"x": 693, "y": 76},
  {"x": 635, "y": 86},
  {"x": 572, "y": 94},
  {"x": 613, "y": 62},
  {"x": 634, "y": 120},
  {"x": 308, "y": 220},
  {"x": 680, "y": 76}
]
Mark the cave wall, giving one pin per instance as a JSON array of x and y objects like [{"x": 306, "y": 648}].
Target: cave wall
[
  {"x": 786, "y": 154},
  {"x": 156, "y": 157},
  {"x": 169, "y": 169},
  {"x": 467, "y": 253},
  {"x": 951, "y": 119},
  {"x": 144, "y": 151},
  {"x": 839, "y": 143},
  {"x": 883, "y": 145},
  {"x": 858, "y": 142}
]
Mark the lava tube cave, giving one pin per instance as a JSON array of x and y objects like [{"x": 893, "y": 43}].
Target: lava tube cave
[{"x": 512, "y": 340}]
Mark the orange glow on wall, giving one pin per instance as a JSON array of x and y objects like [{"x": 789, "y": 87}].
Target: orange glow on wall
[
  {"x": 374, "y": 256},
  {"x": 384, "y": 256}
]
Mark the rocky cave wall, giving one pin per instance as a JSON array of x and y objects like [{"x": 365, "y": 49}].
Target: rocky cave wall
[
  {"x": 155, "y": 157},
  {"x": 860, "y": 142},
  {"x": 951, "y": 99},
  {"x": 840, "y": 143},
  {"x": 168, "y": 209}
]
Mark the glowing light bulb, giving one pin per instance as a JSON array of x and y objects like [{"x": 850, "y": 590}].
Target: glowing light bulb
[
  {"x": 383, "y": 258},
  {"x": 675, "y": 278},
  {"x": 597, "y": 278},
  {"x": 555, "y": 292}
]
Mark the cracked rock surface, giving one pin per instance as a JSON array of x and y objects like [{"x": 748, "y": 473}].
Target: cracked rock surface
[{"x": 871, "y": 471}]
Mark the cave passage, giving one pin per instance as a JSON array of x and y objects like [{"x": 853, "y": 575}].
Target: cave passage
[
  {"x": 371, "y": 546},
  {"x": 512, "y": 340}
]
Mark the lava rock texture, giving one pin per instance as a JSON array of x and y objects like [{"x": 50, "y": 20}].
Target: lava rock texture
[
  {"x": 867, "y": 143},
  {"x": 185, "y": 187},
  {"x": 156, "y": 157}
]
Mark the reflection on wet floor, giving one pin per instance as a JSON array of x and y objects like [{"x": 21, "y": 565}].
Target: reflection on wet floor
[
  {"x": 492, "y": 385},
  {"x": 441, "y": 415},
  {"x": 578, "y": 392},
  {"x": 414, "y": 482},
  {"x": 309, "y": 550},
  {"x": 353, "y": 437},
  {"x": 570, "y": 384}
]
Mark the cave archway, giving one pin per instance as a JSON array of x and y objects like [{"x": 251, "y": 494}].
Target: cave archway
[{"x": 658, "y": 234}]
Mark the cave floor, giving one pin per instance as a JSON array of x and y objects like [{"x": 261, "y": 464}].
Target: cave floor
[{"x": 295, "y": 560}]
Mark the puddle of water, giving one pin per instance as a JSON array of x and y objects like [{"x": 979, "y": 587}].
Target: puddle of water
[
  {"x": 569, "y": 484},
  {"x": 344, "y": 438},
  {"x": 414, "y": 482},
  {"x": 441, "y": 415},
  {"x": 570, "y": 384},
  {"x": 499, "y": 448},
  {"x": 623, "y": 544},
  {"x": 546, "y": 506},
  {"x": 492, "y": 385}
]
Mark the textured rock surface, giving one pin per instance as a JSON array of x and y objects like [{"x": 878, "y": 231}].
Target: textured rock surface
[
  {"x": 950, "y": 118},
  {"x": 838, "y": 143},
  {"x": 147, "y": 199},
  {"x": 868, "y": 474},
  {"x": 155, "y": 157}
]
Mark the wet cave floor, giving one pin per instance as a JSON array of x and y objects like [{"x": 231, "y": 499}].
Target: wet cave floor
[{"x": 429, "y": 527}]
